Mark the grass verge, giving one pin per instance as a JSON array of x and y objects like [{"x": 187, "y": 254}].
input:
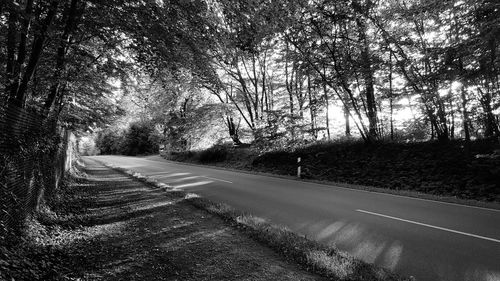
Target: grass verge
[{"x": 315, "y": 257}]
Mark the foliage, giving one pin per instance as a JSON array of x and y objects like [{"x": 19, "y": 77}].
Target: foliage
[
  {"x": 441, "y": 169},
  {"x": 302, "y": 59},
  {"x": 138, "y": 139},
  {"x": 216, "y": 153},
  {"x": 141, "y": 138},
  {"x": 110, "y": 142}
]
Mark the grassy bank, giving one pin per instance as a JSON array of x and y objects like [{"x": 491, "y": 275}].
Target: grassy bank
[{"x": 442, "y": 169}]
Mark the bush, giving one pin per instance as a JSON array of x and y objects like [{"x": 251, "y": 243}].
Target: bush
[
  {"x": 109, "y": 142},
  {"x": 141, "y": 138},
  {"x": 217, "y": 153}
]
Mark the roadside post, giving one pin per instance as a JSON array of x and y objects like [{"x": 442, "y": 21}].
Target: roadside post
[{"x": 298, "y": 168}]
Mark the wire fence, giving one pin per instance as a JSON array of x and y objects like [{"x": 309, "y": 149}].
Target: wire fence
[{"x": 34, "y": 155}]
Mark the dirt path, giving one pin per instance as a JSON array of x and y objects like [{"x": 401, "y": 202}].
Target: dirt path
[{"x": 135, "y": 232}]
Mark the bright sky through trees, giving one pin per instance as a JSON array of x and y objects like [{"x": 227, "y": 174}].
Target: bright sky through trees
[{"x": 262, "y": 70}]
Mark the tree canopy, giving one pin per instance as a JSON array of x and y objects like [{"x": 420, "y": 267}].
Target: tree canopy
[{"x": 269, "y": 71}]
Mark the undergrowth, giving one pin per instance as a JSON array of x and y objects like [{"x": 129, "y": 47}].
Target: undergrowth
[
  {"x": 37, "y": 252},
  {"x": 442, "y": 169}
]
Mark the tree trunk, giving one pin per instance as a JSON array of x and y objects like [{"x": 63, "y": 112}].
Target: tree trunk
[
  {"x": 490, "y": 124},
  {"x": 347, "y": 118},
  {"x": 391, "y": 97},
  {"x": 70, "y": 15},
  {"x": 311, "y": 107},
  {"x": 327, "y": 106},
  {"x": 21, "y": 53},
  {"x": 367, "y": 73},
  {"x": 11, "y": 49},
  {"x": 36, "y": 51},
  {"x": 233, "y": 130}
]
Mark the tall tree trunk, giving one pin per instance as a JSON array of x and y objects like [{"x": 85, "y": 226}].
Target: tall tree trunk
[
  {"x": 233, "y": 130},
  {"x": 21, "y": 53},
  {"x": 367, "y": 72},
  {"x": 490, "y": 123},
  {"x": 36, "y": 52},
  {"x": 347, "y": 116},
  {"x": 288, "y": 83},
  {"x": 311, "y": 107},
  {"x": 327, "y": 107},
  {"x": 432, "y": 131},
  {"x": 465, "y": 121},
  {"x": 70, "y": 15},
  {"x": 11, "y": 51},
  {"x": 391, "y": 97}
]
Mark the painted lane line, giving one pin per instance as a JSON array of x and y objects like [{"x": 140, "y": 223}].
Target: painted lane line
[
  {"x": 216, "y": 179},
  {"x": 332, "y": 185},
  {"x": 431, "y": 226}
]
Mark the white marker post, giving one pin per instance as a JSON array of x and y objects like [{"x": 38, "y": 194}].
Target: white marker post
[{"x": 298, "y": 168}]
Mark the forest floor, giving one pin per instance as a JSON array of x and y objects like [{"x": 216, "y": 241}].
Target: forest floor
[
  {"x": 107, "y": 226},
  {"x": 427, "y": 168}
]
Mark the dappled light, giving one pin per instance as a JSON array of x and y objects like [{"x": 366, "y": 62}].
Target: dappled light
[
  {"x": 182, "y": 179},
  {"x": 357, "y": 241},
  {"x": 192, "y": 184},
  {"x": 370, "y": 249},
  {"x": 158, "y": 132},
  {"x": 148, "y": 230},
  {"x": 330, "y": 230},
  {"x": 179, "y": 180},
  {"x": 167, "y": 175},
  {"x": 392, "y": 255},
  {"x": 480, "y": 274}
]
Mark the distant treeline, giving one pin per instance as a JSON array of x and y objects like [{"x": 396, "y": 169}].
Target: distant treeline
[{"x": 139, "y": 138}]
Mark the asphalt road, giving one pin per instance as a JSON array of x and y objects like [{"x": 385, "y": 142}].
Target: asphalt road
[{"x": 426, "y": 239}]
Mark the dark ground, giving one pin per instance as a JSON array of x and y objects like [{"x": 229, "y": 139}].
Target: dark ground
[{"x": 109, "y": 227}]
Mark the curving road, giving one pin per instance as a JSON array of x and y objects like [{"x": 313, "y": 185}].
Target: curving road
[{"x": 426, "y": 239}]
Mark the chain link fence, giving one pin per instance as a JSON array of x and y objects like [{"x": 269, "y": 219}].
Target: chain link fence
[{"x": 34, "y": 155}]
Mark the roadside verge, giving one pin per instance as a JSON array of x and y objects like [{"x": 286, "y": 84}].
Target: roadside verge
[{"x": 317, "y": 258}]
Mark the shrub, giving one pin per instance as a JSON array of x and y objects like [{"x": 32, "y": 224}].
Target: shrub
[
  {"x": 141, "y": 138},
  {"x": 109, "y": 142},
  {"x": 217, "y": 153}
]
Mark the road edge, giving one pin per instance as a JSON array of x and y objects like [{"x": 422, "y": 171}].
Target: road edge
[
  {"x": 394, "y": 192},
  {"x": 312, "y": 256}
]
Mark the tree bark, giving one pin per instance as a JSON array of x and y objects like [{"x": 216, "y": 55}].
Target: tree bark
[
  {"x": 327, "y": 107},
  {"x": 465, "y": 114},
  {"x": 36, "y": 51},
  {"x": 70, "y": 15},
  {"x": 21, "y": 53},
  {"x": 391, "y": 97},
  {"x": 233, "y": 130},
  {"x": 11, "y": 50},
  {"x": 367, "y": 73},
  {"x": 311, "y": 107}
]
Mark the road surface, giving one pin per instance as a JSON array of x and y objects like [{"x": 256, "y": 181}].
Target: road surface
[{"x": 426, "y": 239}]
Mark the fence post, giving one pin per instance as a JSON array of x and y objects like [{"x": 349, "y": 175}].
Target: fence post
[{"x": 298, "y": 168}]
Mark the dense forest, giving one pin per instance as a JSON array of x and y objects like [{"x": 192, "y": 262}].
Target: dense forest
[{"x": 275, "y": 73}]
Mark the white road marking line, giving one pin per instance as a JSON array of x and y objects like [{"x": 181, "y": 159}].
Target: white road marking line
[
  {"x": 435, "y": 201},
  {"x": 341, "y": 187},
  {"x": 216, "y": 179},
  {"x": 431, "y": 226},
  {"x": 325, "y": 185}
]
